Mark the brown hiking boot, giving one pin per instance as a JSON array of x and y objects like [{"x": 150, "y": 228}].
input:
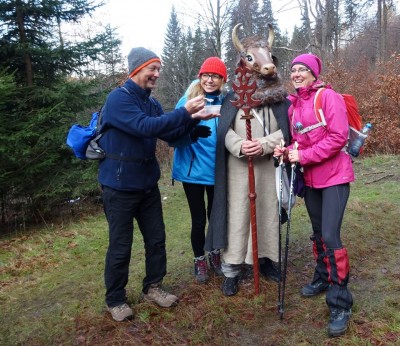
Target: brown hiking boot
[
  {"x": 121, "y": 312},
  {"x": 157, "y": 295}
]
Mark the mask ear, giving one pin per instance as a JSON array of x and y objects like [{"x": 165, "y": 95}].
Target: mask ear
[{"x": 275, "y": 60}]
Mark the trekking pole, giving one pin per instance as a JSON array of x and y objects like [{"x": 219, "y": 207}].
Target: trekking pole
[
  {"x": 289, "y": 212},
  {"x": 279, "y": 163}
]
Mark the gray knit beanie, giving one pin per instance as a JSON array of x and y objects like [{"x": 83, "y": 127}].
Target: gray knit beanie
[{"x": 138, "y": 58}]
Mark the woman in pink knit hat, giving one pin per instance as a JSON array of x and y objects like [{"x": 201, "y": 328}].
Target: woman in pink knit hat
[
  {"x": 194, "y": 164},
  {"x": 328, "y": 172}
]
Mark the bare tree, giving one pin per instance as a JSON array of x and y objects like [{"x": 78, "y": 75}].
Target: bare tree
[
  {"x": 214, "y": 16},
  {"x": 307, "y": 25},
  {"x": 382, "y": 22}
]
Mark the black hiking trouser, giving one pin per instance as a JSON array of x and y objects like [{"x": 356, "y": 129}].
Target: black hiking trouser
[
  {"x": 195, "y": 195},
  {"x": 121, "y": 208},
  {"x": 326, "y": 208}
]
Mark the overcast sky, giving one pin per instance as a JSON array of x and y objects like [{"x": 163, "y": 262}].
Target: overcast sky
[{"x": 144, "y": 22}]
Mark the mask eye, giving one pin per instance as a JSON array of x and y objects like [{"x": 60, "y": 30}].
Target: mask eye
[{"x": 249, "y": 58}]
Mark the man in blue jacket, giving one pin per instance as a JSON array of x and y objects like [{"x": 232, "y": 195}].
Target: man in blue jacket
[{"x": 132, "y": 122}]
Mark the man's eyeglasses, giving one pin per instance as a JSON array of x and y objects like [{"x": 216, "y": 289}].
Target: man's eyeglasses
[
  {"x": 214, "y": 77},
  {"x": 300, "y": 70}
]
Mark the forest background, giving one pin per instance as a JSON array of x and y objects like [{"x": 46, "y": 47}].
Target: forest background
[{"x": 50, "y": 80}]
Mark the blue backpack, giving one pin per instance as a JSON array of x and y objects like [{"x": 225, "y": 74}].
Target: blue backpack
[{"x": 80, "y": 138}]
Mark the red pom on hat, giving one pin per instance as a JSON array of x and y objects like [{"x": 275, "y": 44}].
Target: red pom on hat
[
  {"x": 310, "y": 61},
  {"x": 214, "y": 65}
]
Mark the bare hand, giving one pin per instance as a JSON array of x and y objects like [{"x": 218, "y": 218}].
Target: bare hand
[
  {"x": 194, "y": 107},
  {"x": 294, "y": 155},
  {"x": 251, "y": 148},
  {"x": 204, "y": 116},
  {"x": 279, "y": 151},
  {"x": 195, "y": 104}
]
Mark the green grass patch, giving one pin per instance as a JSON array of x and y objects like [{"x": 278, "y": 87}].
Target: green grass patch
[{"x": 52, "y": 290}]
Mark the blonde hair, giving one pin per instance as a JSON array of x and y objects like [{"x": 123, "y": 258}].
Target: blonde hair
[{"x": 196, "y": 89}]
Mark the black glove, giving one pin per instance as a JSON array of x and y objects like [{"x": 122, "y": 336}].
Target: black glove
[{"x": 200, "y": 131}]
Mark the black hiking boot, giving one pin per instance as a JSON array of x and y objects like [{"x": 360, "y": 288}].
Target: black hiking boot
[
  {"x": 230, "y": 286},
  {"x": 246, "y": 272},
  {"x": 338, "y": 322},
  {"x": 268, "y": 269},
  {"x": 314, "y": 288}
]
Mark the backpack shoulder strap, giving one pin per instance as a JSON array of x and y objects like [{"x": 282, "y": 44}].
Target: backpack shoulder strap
[
  {"x": 151, "y": 99},
  {"x": 318, "y": 106},
  {"x": 154, "y": 103},
  {"x": 319, "y": 114},
  {"x": 125, "y": 89},
  {"x": 99, "y": 128}
]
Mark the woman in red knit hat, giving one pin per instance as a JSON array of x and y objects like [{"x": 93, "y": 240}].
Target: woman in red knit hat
[{"x": 194, "y": 163}]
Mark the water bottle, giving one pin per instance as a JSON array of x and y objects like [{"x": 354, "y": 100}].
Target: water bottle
[{"x": 355, "y": 146}]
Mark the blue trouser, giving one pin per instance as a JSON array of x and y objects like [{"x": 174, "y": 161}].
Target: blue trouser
[
  {"x": 121, "y": 208},
  {"x": 326, "y": 208}
]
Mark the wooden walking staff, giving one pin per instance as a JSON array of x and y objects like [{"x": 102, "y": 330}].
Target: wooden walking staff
[{"x": 244, "y": 88}]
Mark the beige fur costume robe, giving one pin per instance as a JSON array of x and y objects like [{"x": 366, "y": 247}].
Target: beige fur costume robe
[
  {"x": 239, "y": 230},
  {"x": 229, "y": 226}
]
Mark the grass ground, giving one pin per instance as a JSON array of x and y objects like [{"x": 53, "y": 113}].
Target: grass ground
[{"x": 51, "y": 281}]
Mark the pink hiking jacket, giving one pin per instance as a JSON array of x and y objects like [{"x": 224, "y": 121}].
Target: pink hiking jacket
[{"x": 321, "y": 150}]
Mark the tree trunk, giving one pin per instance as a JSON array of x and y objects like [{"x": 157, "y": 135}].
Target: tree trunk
[
  {"x": 60, "y": 33},
  {"x": 324, "y": 30},
  {"x": 384, "y": 30},
  {"x": 306, "y": 15},
  {"x": 24, "y": 44},
  {"x": 379, "y": 31},
  {"x": 337, "y": 30}
]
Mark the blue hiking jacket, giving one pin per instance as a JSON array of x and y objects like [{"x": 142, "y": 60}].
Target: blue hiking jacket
[
  {"x": 132, "y": 122},
  {"x": 194, "y": 162}
]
